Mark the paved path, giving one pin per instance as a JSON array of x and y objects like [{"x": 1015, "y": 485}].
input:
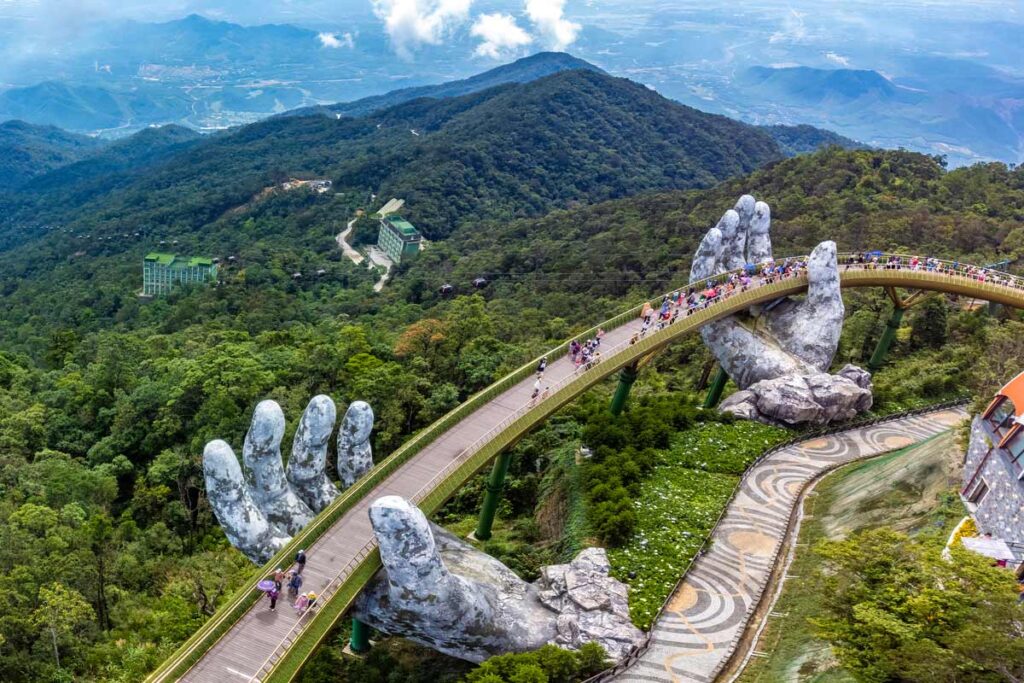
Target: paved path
[
  {"x": 700, "y": 628},
  {"x": 346, "y": 248}
]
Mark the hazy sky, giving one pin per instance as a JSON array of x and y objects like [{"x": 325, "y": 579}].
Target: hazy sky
[{"x": 779, "y": 31}]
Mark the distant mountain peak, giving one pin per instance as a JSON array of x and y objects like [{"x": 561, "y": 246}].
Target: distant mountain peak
[
  {"x": 811, "y": 84},
  {"x": 522, "y": 70}
]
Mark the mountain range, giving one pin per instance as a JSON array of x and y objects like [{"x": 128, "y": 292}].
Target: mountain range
[
  {"x": 210, "y": 74},
  {"x": 791, "y": 140},
  {"x": 517, "y": 149}
]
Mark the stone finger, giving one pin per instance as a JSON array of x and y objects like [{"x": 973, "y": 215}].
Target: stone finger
[
  {"x": 307, "y": 465},
  {"x": 245, "y": 525},
  {"x": 759, "y": 241},
  {"x": 408, "y": 551},
  {"x": 355, "y": 455},
  {"x": 733, "y": 242},
  {"x": 264, "y": 472},
  {"x": 736, "y": 250},
  {"x": 709, "y": 252}
]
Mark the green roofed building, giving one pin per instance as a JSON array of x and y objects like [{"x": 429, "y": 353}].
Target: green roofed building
[
  {"x": 161, "y": 272},
  {"x": 398, "y": 238}
]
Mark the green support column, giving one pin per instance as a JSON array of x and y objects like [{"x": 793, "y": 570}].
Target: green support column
[
  {"x": 716, "y": 389},
  {"x": 878, "y": 357},
  {"x": 626, "y": 379},
  {"x": 492, "y": 496},
  {"x": 359, "y": 641}
]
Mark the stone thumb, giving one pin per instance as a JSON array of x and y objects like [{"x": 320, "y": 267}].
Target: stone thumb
[{"x": 407, "y": 548}]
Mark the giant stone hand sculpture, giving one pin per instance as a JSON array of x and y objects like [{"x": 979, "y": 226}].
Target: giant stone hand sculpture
[
  {"x": 779, "y": 355},
  {"x": 434, "y": 588},
  {"x": 262, "y": 506},
  {"x": 441, "y": 592}
]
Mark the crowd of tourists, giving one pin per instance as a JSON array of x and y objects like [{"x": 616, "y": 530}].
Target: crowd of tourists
[
  {"x": 876, "y": 261},
  {"x": 276, "y": 583},
  {"x": 685, "y": 302}
]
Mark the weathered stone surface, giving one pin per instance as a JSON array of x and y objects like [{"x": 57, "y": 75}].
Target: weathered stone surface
[
  {"x": 306, "y": 466},
  {"x": 810, "y": 329},
  {"x": 355, "y": 457},
  {"x": 246, "y": 526},
  {"x": 264, "y": 473},
  {"x": 791, "y": 400},
  {"x": 261, "y": 506},
  {"x": 443, "y": 593},
  {"x": 781, "y": 368}
]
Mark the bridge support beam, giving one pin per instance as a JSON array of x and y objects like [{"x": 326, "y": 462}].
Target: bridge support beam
[
  {"x": 882, "y": 348},
  {"x": 627, "y": 377},
  {"x": 716, "y": 389},
  {"x": 492, "y": 496},
  {"x": 359, "y": 641}
]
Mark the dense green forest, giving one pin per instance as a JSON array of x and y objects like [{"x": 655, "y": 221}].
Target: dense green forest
[
  {"x": 802, "y": 139},
  {"x": 106, "y": 401},
  {"x": 28, "y": 151}
]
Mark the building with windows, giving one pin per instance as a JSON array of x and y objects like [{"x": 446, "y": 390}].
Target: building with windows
[
  {"x": 398, "y": 238},
  {"x": 161, "y": 272},
  {"x": 992, "y": 487}
]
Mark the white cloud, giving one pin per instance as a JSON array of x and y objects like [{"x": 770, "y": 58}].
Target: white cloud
[
  {"x": 332, "y": 40},
  {"x": 412, "y": 23},
  {"x": 794, "y": 30},
  {"x": 837, "y": 58},
  {"x": 548, "y": 18},
  {"x": 500, "y": 34}
]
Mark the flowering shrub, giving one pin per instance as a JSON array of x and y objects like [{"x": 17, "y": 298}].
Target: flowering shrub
[{"x": 678, "y": 504}]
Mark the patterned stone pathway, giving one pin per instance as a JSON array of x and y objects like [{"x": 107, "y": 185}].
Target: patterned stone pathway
[{"x": 706, "y": 616}]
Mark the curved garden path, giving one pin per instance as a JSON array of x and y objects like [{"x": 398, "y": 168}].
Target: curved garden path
[{"x": 701, "y": 626}]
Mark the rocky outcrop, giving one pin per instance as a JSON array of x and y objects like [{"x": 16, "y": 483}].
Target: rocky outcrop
[
  {"x": 779, "y": 355},
  {"x": 791, "y": 400},
  {"x": 441, "y": 592}
]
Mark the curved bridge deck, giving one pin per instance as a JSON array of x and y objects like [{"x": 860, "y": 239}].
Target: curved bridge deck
[
  {"x": 245, "y": 641},
  {"x": 700, "y": 628}
]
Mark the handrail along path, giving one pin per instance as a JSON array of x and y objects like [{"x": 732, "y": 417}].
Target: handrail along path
[{"x": 245, "y": 641}]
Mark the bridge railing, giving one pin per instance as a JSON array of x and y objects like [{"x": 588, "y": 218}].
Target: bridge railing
[{"x": 208, "y": 635}]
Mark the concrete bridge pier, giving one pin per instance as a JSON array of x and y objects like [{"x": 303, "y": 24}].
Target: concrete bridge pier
[
  {"x": 492, "y": 496},
  {"x": 715, "y": 389},
  {"x": 627, "y": 377}
]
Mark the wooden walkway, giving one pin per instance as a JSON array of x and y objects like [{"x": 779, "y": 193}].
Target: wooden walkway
[{"x": 705, "y": 618}]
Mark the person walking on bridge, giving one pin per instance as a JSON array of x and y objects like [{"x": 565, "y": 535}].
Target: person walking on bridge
[
  {"x": 300, "y": 561},
  {"x": 273, "y": 594}
]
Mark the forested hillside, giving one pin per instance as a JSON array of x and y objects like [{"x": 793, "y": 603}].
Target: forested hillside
[
  {"x": 28, "y": 151},
  {"x": 106, "y": 402},
  {"x": 516, "y": 150},
  {"x": 802, "y": 139}
]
